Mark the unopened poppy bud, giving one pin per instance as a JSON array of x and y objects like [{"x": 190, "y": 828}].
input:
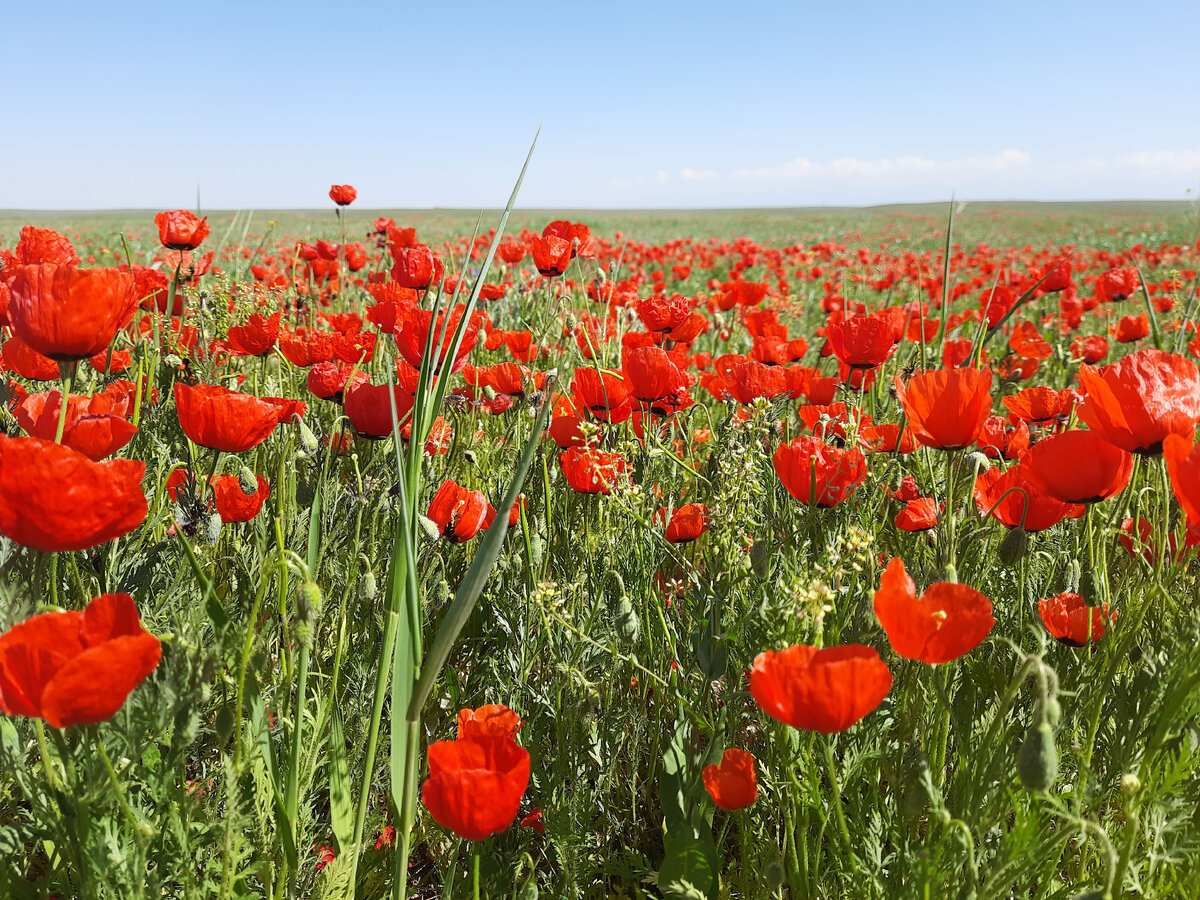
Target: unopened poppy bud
[
  {"x": 1071, "y": 575},
  {"x": 536, "y": 549},
  {"x": 172, "y": 361},
  {"x": 760, "y": 558},
  {"x": 248, "y": 482},
  {"x": 1037, "y": 760},
  {"x": 629, "y": 626},
  {"x": 489, "y": 392},
  {"x": 1130, "y": 784},
  {"x": 368, "y": 589},
  {"x": 570, "y": 321},
  {"x": 308, "y": 440},
  {"x": 1013, "y": 547},
  {"x": 429, "y": 527},
  {"x": 1096, "y": 894},
  {"x": 978, "y": 461},
  {"x": 212, "y": 527}
]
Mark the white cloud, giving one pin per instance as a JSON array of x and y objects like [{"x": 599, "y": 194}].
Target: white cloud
[
  {"x": 898, "y": 167},
  {"x": 698, "y": 174}
]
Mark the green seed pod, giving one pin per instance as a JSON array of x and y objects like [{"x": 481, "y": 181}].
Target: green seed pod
[
  {"x": 308, "y": 441},
  {"x": 248, "y": 482},
  {"x": 1037, "y": 760},
  {"x": 1013, "y": 547}
]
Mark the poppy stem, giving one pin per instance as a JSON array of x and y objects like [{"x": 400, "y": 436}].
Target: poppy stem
[
  {"x": 116, "y": 783},
  {"x": 66, "y": 371},
  {"x": 475, "y": 871},
  {"x": 836, "y": 799},
  {"x": 44, "y": 751}
]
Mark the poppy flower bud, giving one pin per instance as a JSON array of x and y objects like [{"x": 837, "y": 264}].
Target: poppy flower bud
[
  {"x": 629, "y": 626},
  {"x": 1037, "y": 760},
  {"x": 429, "y": 527},
  {"x": 1013, "y": 547},
  {"x": 760, "y": 558},
  {"x": 1071, "y": 576},
  {"x": 172, "y": 361},
  {"x": 978, "y": 461},
  {"x": 308, "y": 608},
  {"x": 368, "y": 589},
  {"x": 308, "y": 441},
  {"x": 248, "y": 481}
]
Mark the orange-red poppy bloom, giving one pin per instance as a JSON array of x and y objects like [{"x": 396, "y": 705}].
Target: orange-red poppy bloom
[
  {"x": 808, "y": 463},
  {"x": 919, "y": 514},
  {"x": 180, "y": 229},
  {"x": 54, "y": 498},
  {"x": 233, "y": 503},
  {"x": 1130, "y": 328},
  {"x": 1183, "y": 468},
  {"x": 492, "y": 720},
  {"x": 1078, "y": 467},
  {"x": 820, "y": 690},
  {"x": 69, "y": 314},
  {"x": 458, "y": 512},
  {"x": 476, "y": 784},
  {"x": 862, "y": 342},
  {"x": 343, "y": 194},
  {"x": 1014, "y": 500},
  {"x": 1117, "y": 284},
  {"x": 369, "y": 408},
  {"x": 256, "y": 337},
  {"x": 590, "y": 471},
  {"x": 551, "y": 255},
  {"x": 1140, "y": 399},
  {"x": 686, "y": 524},
  {"x": 945, "y": 622},
  {"x": 416, "y": 267},
  {"x": 1040, "y": 404},
  {"x": 76, "y": 668},
  {"x": 733, "y": 784},
  {"x": 946, "y": 408},
  {"x": 221, "y": 419},
  {"x": 1000, "y": 439},
  {"x": 96, "y": 426},
  {"x": 1072, "y": 621}
]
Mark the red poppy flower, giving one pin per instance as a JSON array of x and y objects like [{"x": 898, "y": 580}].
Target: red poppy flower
[
  {"x": 604, "y": 394},
  {"x": 369, "y": 407},
  {"x": 1130, "y": 328},
  {"x": 416, "y": 267},
  {"x": 476, "y": 784},
  {"x": 96, "y": 426},
  {"x": 1090, "y": 349},
  {"x": 233, "y": 503},
  {"x": 1141, "y": 539},
  {"x": 256, "y": 337},
  {"x": 947, "y": 407},
  {"x": 663, "y": 314},
  {"x": 920, "y": 514},
  {"x": 651, "y": 374},
  {"x": 69, "y": 314},
  {"x": 511, "y": 252},
  {"x": 412, "y": 331},
  {"x": 221, "y": 419},
  {"x": 459, "y": 513},
  {"x": 331, "y": 381},
  {"x": 180, "y": 229},
  {"x": 944, "y": 623},
  {"x": 1183, "y": 468},
  {"x": 492, "y": 720},
  {"x": 992, "y": 492},
  {"x": 733, "y": 784},
  {"x": 999, "y": 439},
  {"x": 862, "y": 342},
  {"x": 39, "y": 245},
  {"x": 76, "y": 668},
  {"x": 809, "y": 462},
  {"x": 590, "y": 471},
  {"x": 820, "y": 690},
  {"x": 1078, "y": 467},
  {"x": 54, "y": 498},
  {"x": 1072, "y": 621},
  {"x": 534, "y": 820},
  {"x": 687, "y": 523},
  {"x": 886, "y": 438},
  {"x": 1117, "y": 284},
  {"x": 343, "y": 194},
  {"x": 1137, "y": 401},
  {"x": 551, "y": 255},
  {"x": 1040, "y": 404},
  {"x": 1027, "y": 343},
  {"x": 27, "y": 362},
  {"x": 750, "y": 380}
]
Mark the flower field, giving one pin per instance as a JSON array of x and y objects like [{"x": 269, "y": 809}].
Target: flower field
[{"x": 807, "y": 555}]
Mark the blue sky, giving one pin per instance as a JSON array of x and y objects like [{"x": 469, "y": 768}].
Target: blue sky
[{"x": 264, "y": 105}]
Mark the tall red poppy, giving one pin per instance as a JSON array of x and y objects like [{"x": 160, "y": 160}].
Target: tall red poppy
[
  {"x": 551, "y": 255},
  {"x": 820, "y": 690},
  {"x": 944, "y": 623},
  {"x": 946, "y": 408},
  {"x": 459, "y": 513},
  {"x": 95, "y": 426},
  {"x": 494, "y": 720},
  {"x": 233, "y": 503},
  {"x": 686, "y": 524},
  {"x": 69, "y": 314},
  {"x": 180, "y": 229},
  {"x": 416, "y": 267},
  {"x": 221, "y": 419},
  {"x": 733, "y": 784},
  {"x": 411, "y": 333},
  {"x": 1183, "y": 468},
  {"x": 476, "y": 784},
  {"x": 55, "y": 499},
  {"x": 862, "y": 342},
  {"x": 808, "y": 462},
  {"x": 651, "y": 374},
  {"x": 992, "y": 492},
  {"x": 604, "y": 394},
  {"x": 1072, "y": 621},
  {"x": 1140, "y": 399},
  {"x": 256, "y": 337},
  {"x": 76, "y": 668},
  {"x": 590, "y": 471},
  {"x": 369, "y": 408},
  {"x": 1078, "y": 467},
  {"x": 343, "y": 194}
]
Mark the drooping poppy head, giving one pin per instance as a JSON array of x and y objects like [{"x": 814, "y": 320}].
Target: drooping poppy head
[
  {"x": 55, "y": 499},
  {"x": 1072, "y": 621},
  {"x": 1140, "y": 399},
  {"x": 181, "y": 229},
  {"x": 475, "y": 784},
  {"x": 733, "y": 784},
  {"x": 946, "y": 408},
  {"x": 76, "y": 668},
  {"x": 1008, "y": 495},
  {"x": 343, "y": 194},
  {"x": 820, "y": 690},
  {"x": 944, "y": 623},
  {"x": 1078, "y": 467},
  {"x": 69, "y": 314},
  {"x": 221, "y": 419},
  {"x": 814, "y": 472},
  {"x": 495, "y": 720}
]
